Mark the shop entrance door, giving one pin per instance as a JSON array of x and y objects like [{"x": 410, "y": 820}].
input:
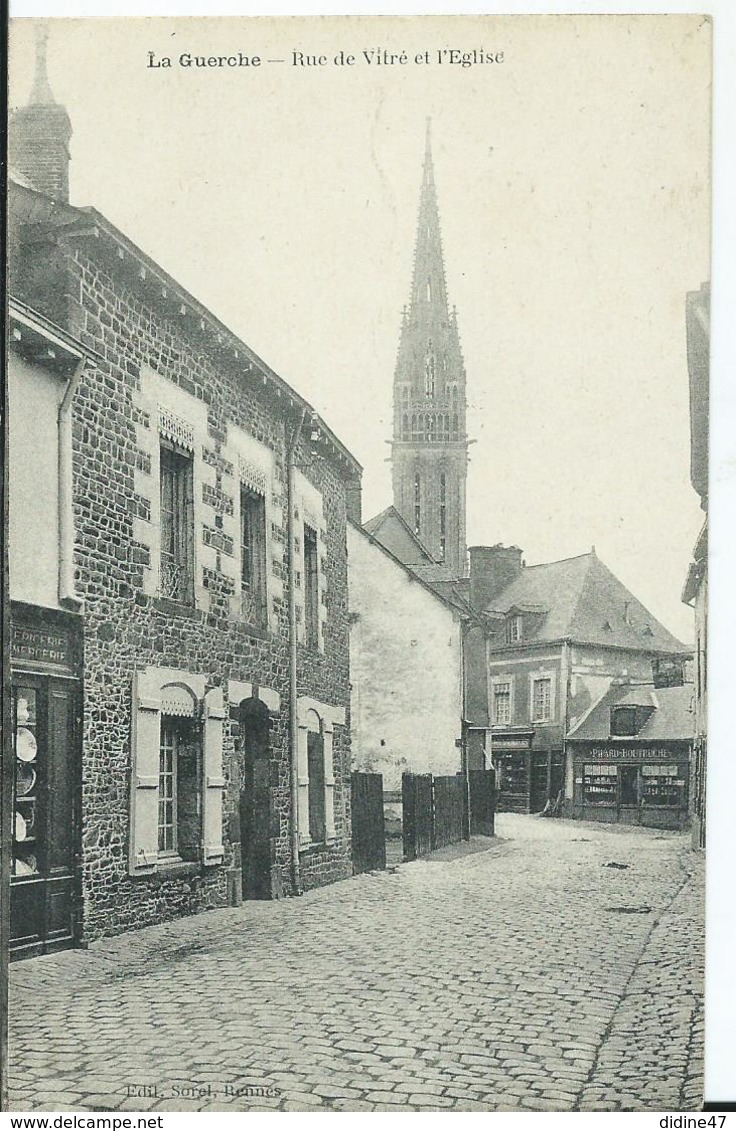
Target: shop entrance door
[
  {"x": 628, "y": 777},
  {"x": 255, "y": 831},
  {"x": 46, "y": 787}
]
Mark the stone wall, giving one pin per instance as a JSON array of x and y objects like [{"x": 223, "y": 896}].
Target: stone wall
[{"x": 127, "y": 322}]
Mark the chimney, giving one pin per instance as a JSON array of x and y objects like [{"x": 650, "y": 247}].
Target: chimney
[
  {"x": 39, "y": 134},
  {"x": 353, "y": 505},
  {"x": 492, "y": 568}
]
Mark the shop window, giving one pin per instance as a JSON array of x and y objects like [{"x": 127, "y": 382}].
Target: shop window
[
  {"x": 27, "y": 785},
  {"x": 623, "y": 721},
  {"x": 177, "y": 524},
  {"x": 502, "y": 702},
  {"x": 178, "y": 790},
  {"x": 663, "y": 786},
  {"x": 311, "y": 587},
  {"x": 253, "y": 557},
  {"x": 513, "y": 774},
  {"x": 542, "y": 699},
  {"x": 600, "y": 784}
]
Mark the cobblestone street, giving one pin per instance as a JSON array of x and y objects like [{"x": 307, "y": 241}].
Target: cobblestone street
[{"x": 529, "y": 976}]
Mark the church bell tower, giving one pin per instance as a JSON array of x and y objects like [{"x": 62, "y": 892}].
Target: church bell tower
[{"x": 430, "y": 447}]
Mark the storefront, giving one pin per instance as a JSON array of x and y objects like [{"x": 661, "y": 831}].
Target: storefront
[
  {"x": 46, "y": 699},
  {"x": 527, "y": 775},
  {"x": 632, "y": 785},
  {"x": 628, "y": 760}
]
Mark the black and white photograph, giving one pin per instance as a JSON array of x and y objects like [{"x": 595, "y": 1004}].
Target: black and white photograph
[{"x": 356, "y": 485}]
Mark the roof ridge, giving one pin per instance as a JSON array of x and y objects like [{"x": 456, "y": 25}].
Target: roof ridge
[{"x": 582, "y": 591}]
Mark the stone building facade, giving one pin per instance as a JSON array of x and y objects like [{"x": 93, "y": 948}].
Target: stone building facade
[
  {"x": 209, "y": 561},
  {"x": 561, "y": 634}
]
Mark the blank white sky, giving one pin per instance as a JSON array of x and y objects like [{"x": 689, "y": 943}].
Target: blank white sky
[{"x": 573, "y": 183}]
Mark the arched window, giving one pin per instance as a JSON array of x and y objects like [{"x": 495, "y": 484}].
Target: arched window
[
  {"x": 316, "y": 772},
  {"x": 454, "y": 427},
  {"x": 405, "y": 426},
  {"x": 429, "y": 371},
  {"x": 443, "y": 515},
  {"x": 417, "y": 503}
]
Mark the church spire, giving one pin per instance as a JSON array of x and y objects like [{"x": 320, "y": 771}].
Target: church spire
[
  {"x": 429, "y": 452},
  {"x": 428, "y": 290}
]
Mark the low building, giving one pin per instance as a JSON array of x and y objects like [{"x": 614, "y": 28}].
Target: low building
[
  {"x": 180, "y": 620},
  {"x": 408, "y": 705},
  {"x": 560, "y": 634},
  {"x": 630, "y": 756}
]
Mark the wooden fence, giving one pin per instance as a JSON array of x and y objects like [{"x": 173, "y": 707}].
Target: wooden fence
[
  {"x": 369, "y": 826},
  {"x": 438, "y": 811}
]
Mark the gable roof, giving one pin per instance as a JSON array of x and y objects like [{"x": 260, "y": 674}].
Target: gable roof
[
  {"x": 390, "y": 527},
  {"x": 452, "y": 606},
  {"x": 579, "y": 599},
  {"x": 671, "y": 720}
]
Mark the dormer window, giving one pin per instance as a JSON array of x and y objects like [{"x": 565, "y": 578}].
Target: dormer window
[
  {"x": 623, "y": 722},
  {"x": 513, "y": 628}
]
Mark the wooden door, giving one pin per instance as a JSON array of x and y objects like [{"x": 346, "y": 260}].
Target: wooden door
[{"x": 255, "y": 801}]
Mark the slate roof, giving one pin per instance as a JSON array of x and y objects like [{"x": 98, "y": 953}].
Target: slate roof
[
  {"x": 374, "y": 526},
  {"x": 579, "y": 599},
  {"x": 671, "y": 720}
]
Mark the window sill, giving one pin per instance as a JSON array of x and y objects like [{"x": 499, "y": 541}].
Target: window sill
[
  {"x": 176, "y": 608},
  {"x": 261, "y": 632},
  {"x": 174, "y": 867}
]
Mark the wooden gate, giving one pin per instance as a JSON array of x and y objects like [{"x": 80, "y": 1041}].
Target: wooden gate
[
  {"x": 482, "y": 790},
  {"x": 418, "y": 814},
  {"x": 369, "y": 827},
  {"x": 448, "y": 810}
]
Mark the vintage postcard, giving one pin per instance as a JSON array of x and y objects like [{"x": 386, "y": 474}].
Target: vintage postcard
[{"x": 357, "y": 483}]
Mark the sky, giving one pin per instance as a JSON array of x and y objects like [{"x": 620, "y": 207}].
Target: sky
[{"x": 574, "y": 193}]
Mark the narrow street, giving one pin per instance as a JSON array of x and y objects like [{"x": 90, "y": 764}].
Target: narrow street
[{"x": 530, "y": 976}]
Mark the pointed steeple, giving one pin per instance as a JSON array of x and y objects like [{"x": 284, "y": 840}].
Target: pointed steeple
[
  {"x": 39, "y": 133},
  {"x": 430, "y": 443},
  {"x": 428, "y": 291}
]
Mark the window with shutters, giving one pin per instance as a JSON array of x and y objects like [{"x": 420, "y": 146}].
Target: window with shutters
[
  {"x": 176, "y": 771},
  {"x": 177, "y": 524},
  {"x": 179, "y": 802},
  {"x": 253, "y": 557},
  {"x": 311, "y": 587}
]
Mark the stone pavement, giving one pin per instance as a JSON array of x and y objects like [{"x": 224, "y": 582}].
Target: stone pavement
[{"x": 527, "y": 977}]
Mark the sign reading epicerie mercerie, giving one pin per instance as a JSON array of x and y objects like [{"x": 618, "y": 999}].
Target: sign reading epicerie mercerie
[
  {"x": 42, "y": 647},
  {"x": 370, "y": 57}
]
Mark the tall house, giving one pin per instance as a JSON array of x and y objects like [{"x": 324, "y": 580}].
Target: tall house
[{"x": 430, "y": 447}]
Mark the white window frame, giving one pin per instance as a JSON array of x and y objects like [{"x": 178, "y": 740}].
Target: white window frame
[
  {"x": 539, "y": 675},
  {"x": 514, "y": 628},
  {"x": 157, "y": 693},
  {"x": 496, "y": 681},
  {"x": 329, "y": 717}
]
